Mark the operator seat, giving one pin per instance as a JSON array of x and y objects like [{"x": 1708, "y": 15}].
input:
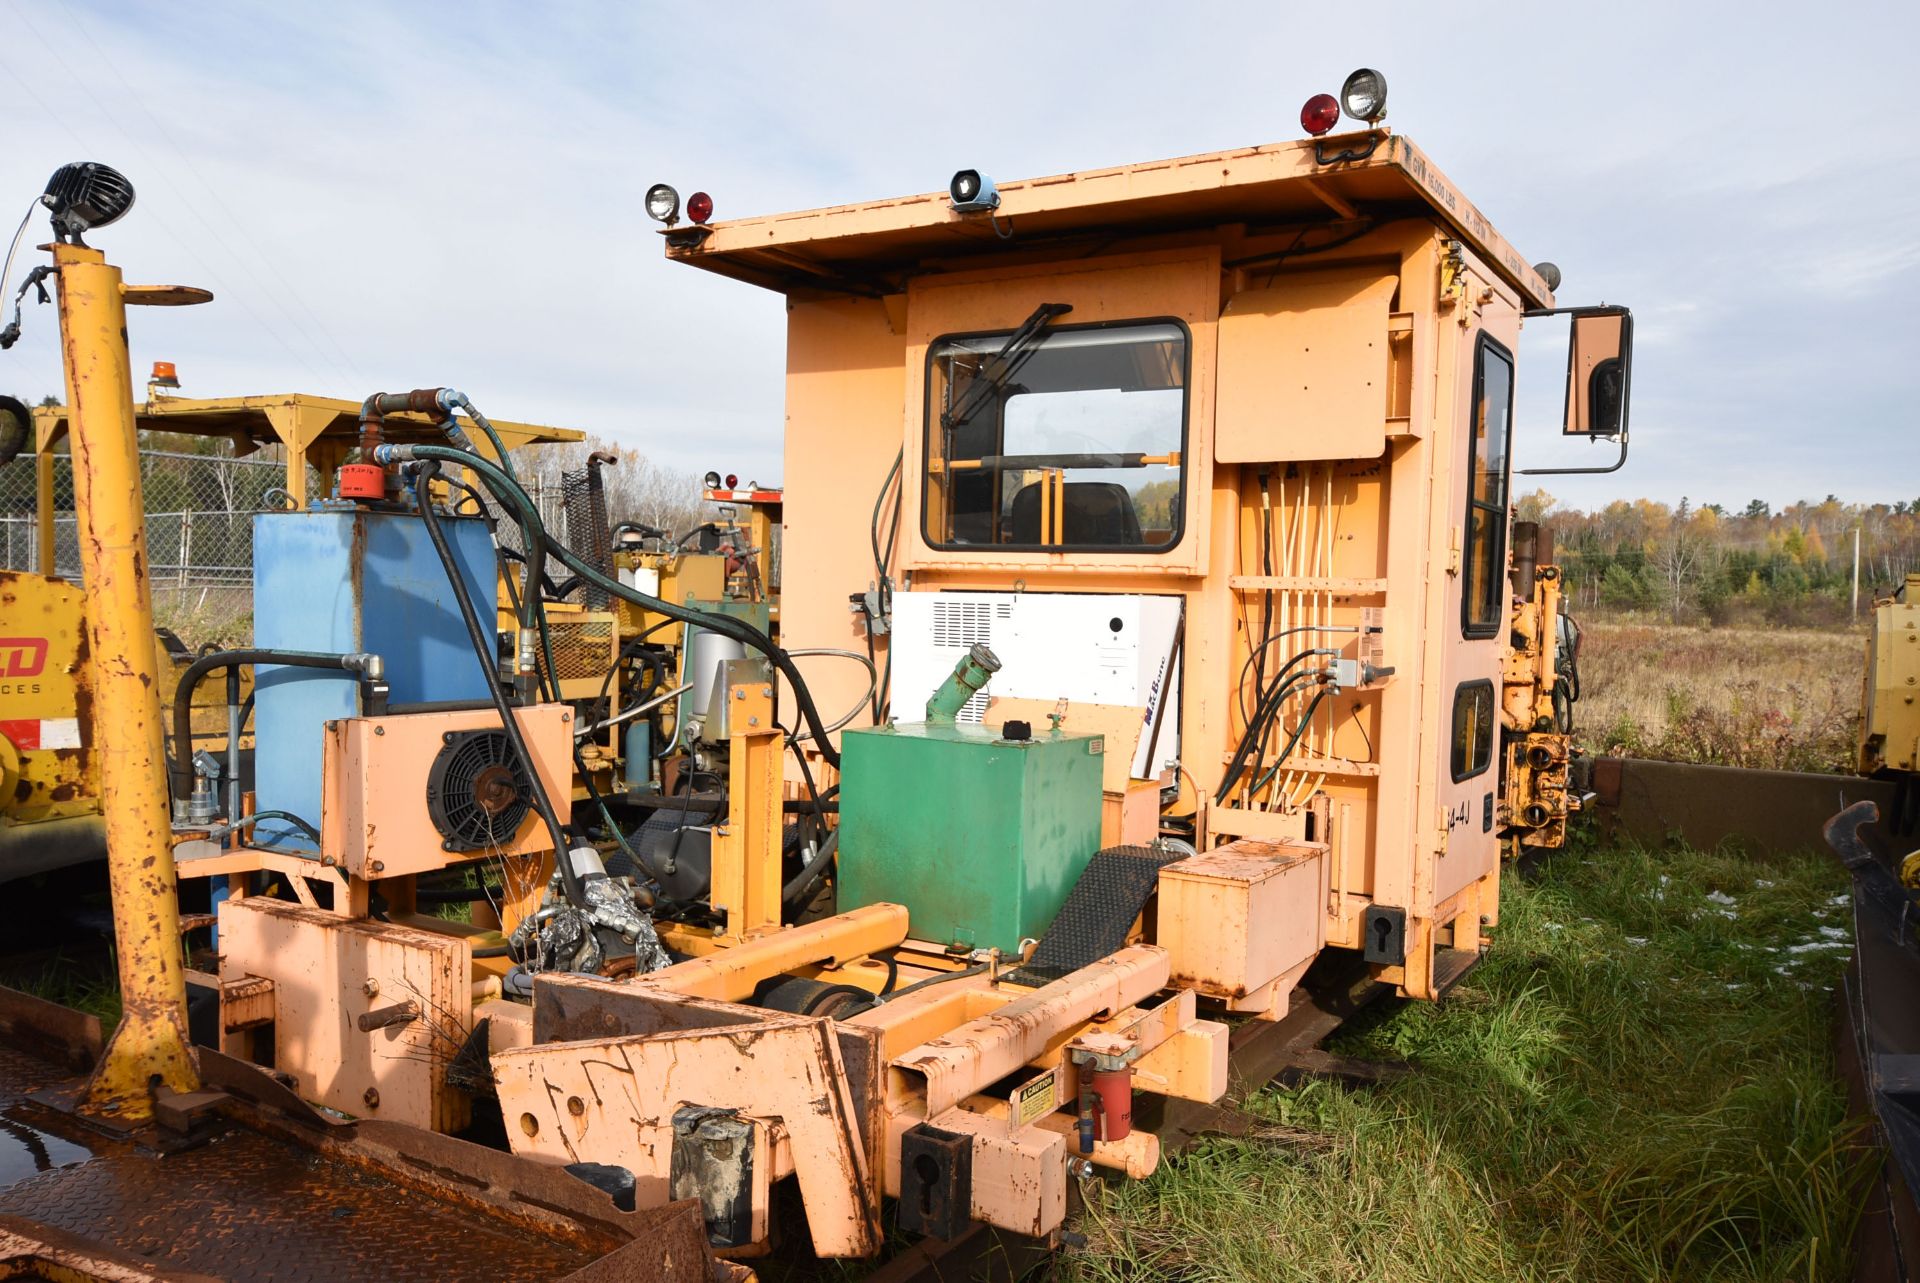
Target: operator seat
[{"x": 1096, "y": 512}]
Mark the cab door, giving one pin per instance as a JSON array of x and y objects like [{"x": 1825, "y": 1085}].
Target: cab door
[{"x": 1475, "y": 623}]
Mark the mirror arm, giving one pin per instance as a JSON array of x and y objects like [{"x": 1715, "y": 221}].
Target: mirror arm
[{"x": 1615, "y": 466}]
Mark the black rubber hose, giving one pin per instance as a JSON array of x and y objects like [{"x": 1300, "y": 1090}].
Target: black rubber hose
[
  {"x": 795, "y": 892},
  {"x": 483, "y": 648},
  {"x": 1271, "y": 712},
  {"x": 181, "y": 768},
  {"x": 1267, "y": 709},
  {"x": 930, "y": 981},
  {"x": 287, "y": 817},
  {"x": 1306, "y": 720},
  {"x": 510, "y": 492}
]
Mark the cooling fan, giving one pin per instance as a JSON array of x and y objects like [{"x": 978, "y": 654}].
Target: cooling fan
[{"x": 477, "y": 790}]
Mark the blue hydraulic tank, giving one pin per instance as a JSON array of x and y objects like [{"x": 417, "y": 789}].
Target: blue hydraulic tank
[{"x": 344, "y": 579}]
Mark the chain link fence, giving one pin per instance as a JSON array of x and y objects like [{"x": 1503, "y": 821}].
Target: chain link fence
[{"x": 200, "y": 510}]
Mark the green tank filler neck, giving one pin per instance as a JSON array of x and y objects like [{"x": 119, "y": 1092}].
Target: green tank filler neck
[{"x": 975, "y": 669}]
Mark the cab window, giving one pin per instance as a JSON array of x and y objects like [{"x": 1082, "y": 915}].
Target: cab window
[
  {"x": 1078, "y": 444},
  {"x": 1472, "y": 729},
  {"x": 1483, "y": 608}
]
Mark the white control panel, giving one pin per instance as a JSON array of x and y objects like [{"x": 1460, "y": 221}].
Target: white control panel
[{"x": 1092, "y": 648}]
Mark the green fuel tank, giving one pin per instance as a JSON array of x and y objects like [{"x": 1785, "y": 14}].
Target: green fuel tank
[{"x": 979, "y": 835}]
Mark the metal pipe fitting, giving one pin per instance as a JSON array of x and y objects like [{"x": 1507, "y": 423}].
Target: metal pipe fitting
[
  {"x": 362, "y": 664},
  {"x": 375, "y": 409},
  {"x": 975, "y": 669}
]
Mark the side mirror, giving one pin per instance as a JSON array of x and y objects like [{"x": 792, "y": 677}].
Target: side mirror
[
  {"x": 1599, "y": 362},
  {"x": 1599, "y": 380},
  {"x": 16, "y": 428}
]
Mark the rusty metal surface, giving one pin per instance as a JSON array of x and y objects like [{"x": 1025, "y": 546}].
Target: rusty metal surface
[
  {"x": 150, "y": 1041},
  {"x": 246, "y": 1205},
  {"x": 676, "y": 1252},
  {"x": 57, "y": 1033},
  {"x": 29, "y": 1251},
  {"x": 1764, "y": 811},
  {"x": 572, "y": 1008},
  {"x": 611, "y": 1100}
]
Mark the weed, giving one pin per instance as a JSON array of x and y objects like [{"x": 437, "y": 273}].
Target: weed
[
  {"x": 1768, "y": 699},
  {"x": 1635, "y": 1084},
  {"x": 85, "y": 984}
]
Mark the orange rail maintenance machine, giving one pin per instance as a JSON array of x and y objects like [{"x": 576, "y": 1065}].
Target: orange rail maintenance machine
[{"x": 1151, "y": 624}]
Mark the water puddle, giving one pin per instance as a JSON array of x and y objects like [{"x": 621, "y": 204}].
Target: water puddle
[{"x": 27, "y": 1151}]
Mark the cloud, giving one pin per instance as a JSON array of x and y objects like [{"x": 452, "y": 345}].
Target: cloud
[{"x": 390, "y": 196}]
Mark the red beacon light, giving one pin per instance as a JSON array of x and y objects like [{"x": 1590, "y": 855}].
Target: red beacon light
[
  {"x": 1321, "y": 114},
  {"x": 733, "y": 481},
  {"x": 699, "y": 207}
]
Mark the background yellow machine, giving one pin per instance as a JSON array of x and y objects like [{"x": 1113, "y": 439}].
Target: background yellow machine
[{"x": 1890, "y": 727}]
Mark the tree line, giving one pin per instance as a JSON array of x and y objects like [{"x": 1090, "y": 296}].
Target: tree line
[{"x": 1712, "y": 564}]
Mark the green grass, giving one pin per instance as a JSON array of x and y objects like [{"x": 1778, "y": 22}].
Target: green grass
[
  {"x": 86, "y": 984},
  {"x": 1637, "y": 1083}
]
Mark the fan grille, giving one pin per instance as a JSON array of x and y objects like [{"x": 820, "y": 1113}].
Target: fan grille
[{"x": 477, "y": 790}]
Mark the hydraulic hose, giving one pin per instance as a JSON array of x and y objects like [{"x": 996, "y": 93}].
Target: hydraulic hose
[
  {"x": 285, "y": 817},
  {"x": 1306, "y": 720},
  {"x": 509, "y": 491},
  {"x": 441, "y": 403},
  {"x": 1268, "y": 708},
  {"x": 181, "y": 768},
  {"x": 489, "y": 659},
  {"x": 940, "y": 979},
  {"x": 451, "y": 399},
  {"x": 795, "y": 893}
]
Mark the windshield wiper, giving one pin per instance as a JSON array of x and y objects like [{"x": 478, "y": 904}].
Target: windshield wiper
[{"x": 998, "y": 370}]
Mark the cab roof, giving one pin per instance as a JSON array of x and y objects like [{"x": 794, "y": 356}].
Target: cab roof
[{"x": 870, "y": 248}]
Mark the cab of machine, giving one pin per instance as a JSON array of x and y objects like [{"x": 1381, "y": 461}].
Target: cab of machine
[{"x": 1270, "y": 388}]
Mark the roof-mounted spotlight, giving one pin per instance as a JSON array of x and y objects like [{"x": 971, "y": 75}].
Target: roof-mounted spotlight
[
  {"x": 1549, "y": 272},
  {"x": 663, "y": 204},
  {"x": 1364, "y": 96},
  {"x": 83, "y": 196},
  {"x": 972, "y": 192},
  {"x": 711, "y": 481}
]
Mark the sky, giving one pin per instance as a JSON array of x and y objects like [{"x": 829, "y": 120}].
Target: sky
[{"x": 384, "y": 197}]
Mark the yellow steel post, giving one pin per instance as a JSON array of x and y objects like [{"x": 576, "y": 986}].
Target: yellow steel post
[
  {"x": 43, "y": 501},
  {"x": 746, "y": 850},
  {"x": 150, "y": 1047}
]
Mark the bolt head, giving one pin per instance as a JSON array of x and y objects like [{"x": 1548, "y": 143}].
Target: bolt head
[
  {"x": 379, "y": 730},
  {"x": 372, "y": 1097},
  {"x": 371, "y": 988},
  {"x": 566, "y": 717}
]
